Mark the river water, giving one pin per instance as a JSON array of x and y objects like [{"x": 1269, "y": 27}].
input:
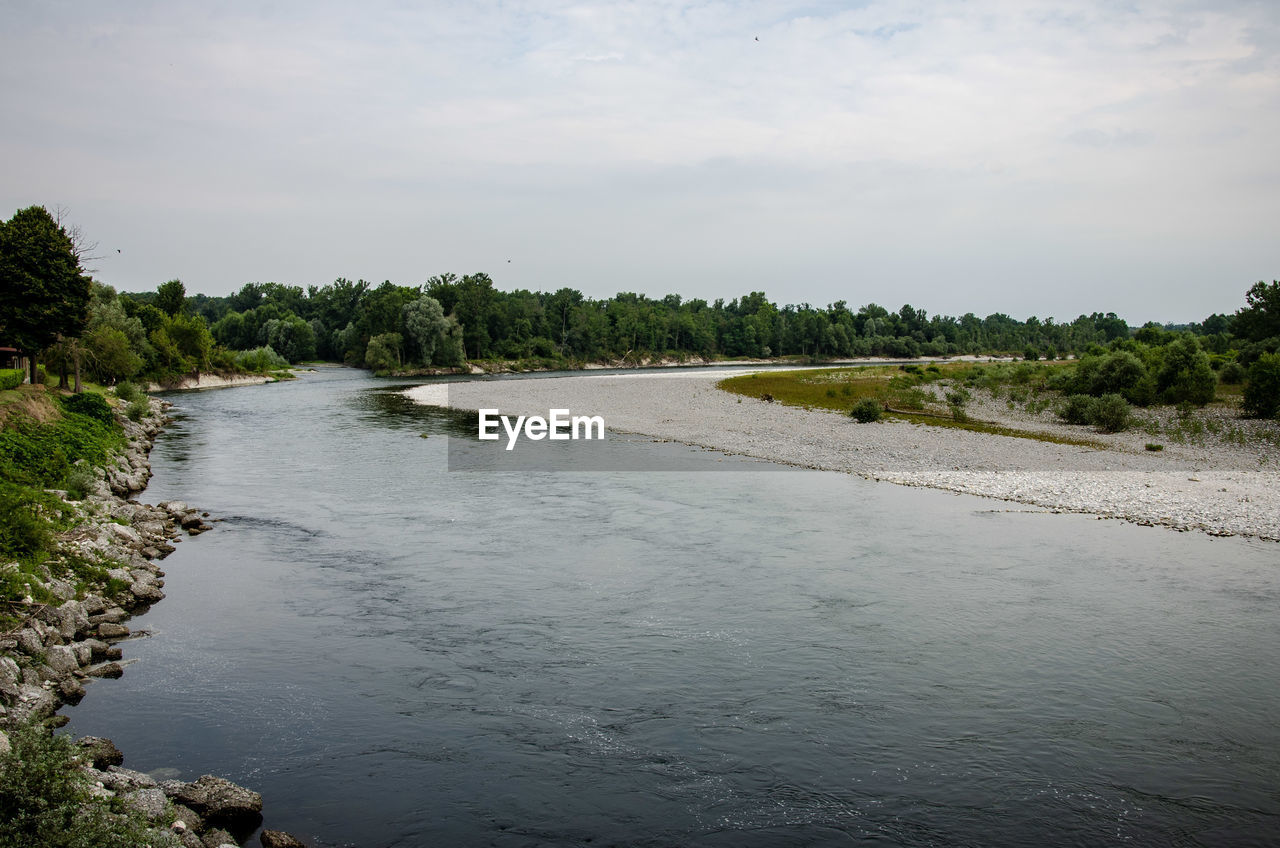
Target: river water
[{"x": 398, "y": 655}]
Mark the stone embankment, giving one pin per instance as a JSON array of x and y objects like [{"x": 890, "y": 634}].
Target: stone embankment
[{"x": 62, "y": 645}]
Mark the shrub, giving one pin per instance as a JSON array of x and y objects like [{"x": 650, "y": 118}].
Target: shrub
[
  {"x": 1262, "y": 392},
  {"x": 1232, "y": 373},
  {"x": 866, "y": 410},
  {"x": 11, "y": 378},
  {"x": 1152, "y": 446},
  {"x": 261, "y": 360},
  {"x": 1111, "y": 413},
  {"x": 127, "y": 391},
  {"x": 91, "y": 405},
  {"x": 80, "y": 480},
  {"x": 1186, "y": 375},
  {"x": 1077, "y": 410},
  {"x": 23, "y": 533},
  {"x": 138, "y": 410},
  {"x": 45, "y": 799}
]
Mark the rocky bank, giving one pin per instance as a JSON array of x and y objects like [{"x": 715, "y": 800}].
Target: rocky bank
[{"x": 61, "y": 646}]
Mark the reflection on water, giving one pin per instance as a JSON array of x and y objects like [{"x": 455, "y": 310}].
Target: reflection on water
[{"x": 398, "y": 655}]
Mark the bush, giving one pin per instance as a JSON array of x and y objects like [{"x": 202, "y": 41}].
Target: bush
[
  {"x": 866, "y": 410},
  {"x": 1186, "y": 374},
  {"x": 127, "y": 391},
  {"x": 80, "y": 480},
  {"x": 1232, "y": 373},
  {"x": 1262, "y": 392},
  {"x": 45, "y": 800},
  {"x": 1111, "y": 413},
  {"x": 1153, "y": 446},
  {"x": 11, "y": 378},
  {"x": 91, "y": 405},
  {"x": 138, "y": 410},
  {"x": 1077, "y": 410},
  {"x": 260, "y": 360},
  {"x": 23, "y": 533}
]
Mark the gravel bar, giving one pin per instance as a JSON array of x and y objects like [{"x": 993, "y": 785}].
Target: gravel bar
[{"x": 1215, "y": 490}]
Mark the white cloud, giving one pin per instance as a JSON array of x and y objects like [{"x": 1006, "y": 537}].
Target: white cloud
[{"x": 943, "y": 152}]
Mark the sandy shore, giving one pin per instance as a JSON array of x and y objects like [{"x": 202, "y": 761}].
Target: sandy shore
[{"x": 1215, "y": 489}]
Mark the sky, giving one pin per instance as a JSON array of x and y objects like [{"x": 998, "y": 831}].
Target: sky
[{"x": 1016, "y": 156}]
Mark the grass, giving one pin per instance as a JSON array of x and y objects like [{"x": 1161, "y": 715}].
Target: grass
[{"x": 907, "y": 392}]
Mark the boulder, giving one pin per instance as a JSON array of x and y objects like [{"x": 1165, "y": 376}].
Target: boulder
[
  {"x": 120, "y": 779},
  {"x": 111, "y": 615},
  {"x": 279, "y": 839},
  {"x": 149, "y": 801},
  {"x": 29, "y": 642},
  {"x": 94, "y": 604},
  {"x": 221, "y": 802},
  {"x": 61, "y": 659},
  {"x": 101, "y": 753},
  {"x": 189, "y": 817},
  {"x": 219, "y": 838},
  {"x": 97, "y": 648},
  {"x": 71, "y": 690},
  {"x": 107, "y": 630},
  {"x": 5, "y": 747},
  {"x": 106, "y": 669},
  {"x": 147, "y": 593}
]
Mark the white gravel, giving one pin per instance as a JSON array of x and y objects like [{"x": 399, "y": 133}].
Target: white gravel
[{"x": 1216, "y": 488}]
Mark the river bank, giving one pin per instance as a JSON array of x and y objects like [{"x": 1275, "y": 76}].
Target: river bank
[
  {"x": 58, "y": 647},
  {"x": 1219, "y": 491}
]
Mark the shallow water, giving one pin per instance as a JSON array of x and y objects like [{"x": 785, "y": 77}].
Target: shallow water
[{"x": 397, "y": 655}]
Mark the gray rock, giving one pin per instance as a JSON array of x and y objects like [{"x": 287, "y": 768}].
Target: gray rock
[
  {"x": 221, "y": 802},
  {"x": 83, "y": 652},
  {"x": 29, "y": 642},
  {"x": 189, "y": 839},
  {"x": 191, "y": 519},
  {"x": 112, "y": 615},
  {"x": 61, "y": 589},
  {"x": 35, "y": 701},
  {"x": 279, "y": 839},
  {"x": 107, "y": 669},
  {"x": 107, "y": 630},
  {"x": 121, "y": 779},
  {"x": 189, "y": 817},
  {"x": 94, "y": 604},
  {"x": 61, "y": 659},
  {"x": 102, "y": 753},
  {"x": 9, "y": 669},
  {"x": 71, "y": 690},
  {"x": 218, "y": 837},
  {"x": 97, "y": 647},
  {"x": 5, "y": 747},
  {"x": 147, "y": 593},
  {"x": 151, "y": 802}
]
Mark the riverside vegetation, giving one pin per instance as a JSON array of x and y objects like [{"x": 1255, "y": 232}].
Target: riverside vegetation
[
  {"x": 1103, "y": 389},
  {"x": 78, "y": 557}
]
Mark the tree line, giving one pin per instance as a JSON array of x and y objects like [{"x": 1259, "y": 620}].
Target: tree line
[{"x": 50, "y": 306}]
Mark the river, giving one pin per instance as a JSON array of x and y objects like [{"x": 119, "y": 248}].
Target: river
[{"x": 399, "y": 655}]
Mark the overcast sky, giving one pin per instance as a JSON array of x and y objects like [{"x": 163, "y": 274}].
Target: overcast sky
[{"x": 1034, "y": 158}]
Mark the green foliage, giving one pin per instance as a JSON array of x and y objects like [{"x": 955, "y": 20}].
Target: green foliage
[
  {"x": 384, "y": 352},
  {"x": 11, "y": 378},
  {"x": 866, "y": 410},
  {"x": 1185, "y": 375},
  {"x": 128, "y": 392},
  {"x": 43, "y": 292},
  {"x": 23, "y": 533},
  {"x": 170, "y": 297},
  {"x": 1260, "y": 319},
  {"x": 261, "y": 359},
  {"x": 79, "y": 482},
  {"x": 91, "y": 405},
  {"x": 45, "y": 800},
  {"x": 1078, "y": 409},
  {"x": 1111, "y": 413},
  {"x": 1152, "y": 446},
  {"x": 1232, "y": 373},
  {"x": 1262, "y": 391},
  {"x": 138, "y": 410},
  {"x": 109, "y": 356}
]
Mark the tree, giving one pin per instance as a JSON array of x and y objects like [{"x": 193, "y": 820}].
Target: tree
[
  {"x": 1261, "y": 318},
  {"x": 383, "y": 352},
  {"x": 1262, "y": 392},
  {"x": 424, "y": 327},
  {"x": 1186, "y": 375},
  {"x": 170, "y": 297},
  {"x": 44, "y": 294}
]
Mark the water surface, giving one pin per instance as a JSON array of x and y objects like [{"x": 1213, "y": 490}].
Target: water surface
[{"x": 396, "y": 655}]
